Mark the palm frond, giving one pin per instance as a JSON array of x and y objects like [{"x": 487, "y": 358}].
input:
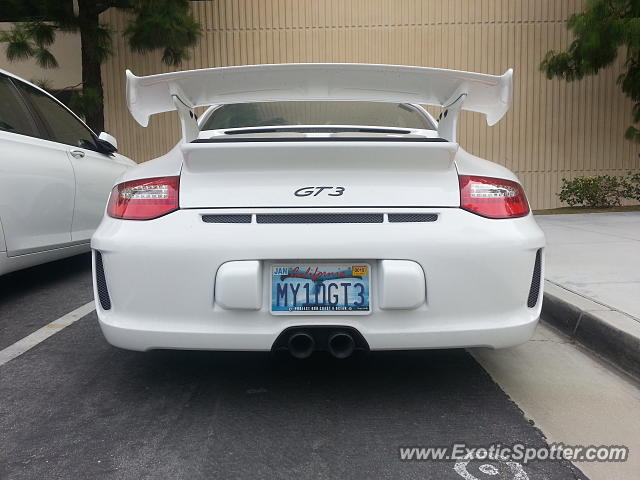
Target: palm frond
[{"x": 45, "y": 58}]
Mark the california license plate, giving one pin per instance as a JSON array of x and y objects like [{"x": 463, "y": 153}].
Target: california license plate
[{"x": 320, "y": 288}]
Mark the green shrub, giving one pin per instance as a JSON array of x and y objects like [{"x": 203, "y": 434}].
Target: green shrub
[
  {"x": 632, "y": 187},
  {"x": 596, "y": 192}
]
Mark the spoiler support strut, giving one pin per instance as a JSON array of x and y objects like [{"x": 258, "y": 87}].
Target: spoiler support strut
[{"x": 188, "y": 120}]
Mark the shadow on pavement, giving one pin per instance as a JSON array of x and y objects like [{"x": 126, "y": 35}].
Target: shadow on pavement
[
  {"x": 31, "y": 298},
  {"x": 79, "y": 408},
  {"x": 40, "y": 277}
]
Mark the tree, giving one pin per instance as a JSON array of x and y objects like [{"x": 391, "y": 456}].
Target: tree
[
  {"x": 154, "y": 24},
  {"x": 602, "y": 31}
]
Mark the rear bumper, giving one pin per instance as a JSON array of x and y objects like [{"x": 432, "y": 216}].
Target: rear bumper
[
  {"x": 124, "y": 336},
  {"x": 161, "y": 278}
]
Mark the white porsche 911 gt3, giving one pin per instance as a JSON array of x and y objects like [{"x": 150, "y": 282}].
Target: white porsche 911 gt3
[{"x": 318, "y": 207}]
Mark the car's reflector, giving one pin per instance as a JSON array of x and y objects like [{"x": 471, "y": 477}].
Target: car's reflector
[
  {"x": 492, "y": 197},
  {"x": 144, "y": 199}
]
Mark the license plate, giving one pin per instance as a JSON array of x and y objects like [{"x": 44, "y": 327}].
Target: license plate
[{"x": 320, "y": 288}]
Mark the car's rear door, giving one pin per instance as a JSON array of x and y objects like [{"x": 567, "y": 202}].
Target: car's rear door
[
  {"x": 37, "y": 185},
  {"x": 94, "y": 171}
]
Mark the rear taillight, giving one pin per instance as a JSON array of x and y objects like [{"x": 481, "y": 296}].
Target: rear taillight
[
  {"x": 492, "y": 197},
  {"x": 144, "y": 199}
]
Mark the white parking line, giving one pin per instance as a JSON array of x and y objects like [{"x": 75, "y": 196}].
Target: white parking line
[{"x": 30, "y": 341}]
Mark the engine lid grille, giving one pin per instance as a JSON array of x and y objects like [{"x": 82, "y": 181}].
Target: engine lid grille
[{"x": 300, "y": 218}]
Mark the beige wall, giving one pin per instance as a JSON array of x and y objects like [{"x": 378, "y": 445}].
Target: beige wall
[
  {"x": 66, "y": 49},
  {"x": 554, "y": 129}
]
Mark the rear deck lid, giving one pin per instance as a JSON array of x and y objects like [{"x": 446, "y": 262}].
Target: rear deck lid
[{"x": 319, "y": 172}]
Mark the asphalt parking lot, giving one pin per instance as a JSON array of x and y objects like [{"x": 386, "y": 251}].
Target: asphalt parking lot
[{"x": 75, "y": 407}]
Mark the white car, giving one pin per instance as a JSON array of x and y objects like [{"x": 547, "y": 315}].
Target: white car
[
  {"x": 318, "y": 207},
  {"x": 55, "y": 177}
]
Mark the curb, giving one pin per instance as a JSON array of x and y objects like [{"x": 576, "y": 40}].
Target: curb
[{"x": 610, "y": 333}]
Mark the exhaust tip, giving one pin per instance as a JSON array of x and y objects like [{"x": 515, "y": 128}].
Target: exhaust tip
[
  {"x": 341, "y": 345},
  {"x": 301, "y": 345},
  {"x": 339, "y": 341}
]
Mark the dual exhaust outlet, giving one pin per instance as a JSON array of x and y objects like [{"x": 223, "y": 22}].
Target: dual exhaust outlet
[{"x": 339, "y": 342}]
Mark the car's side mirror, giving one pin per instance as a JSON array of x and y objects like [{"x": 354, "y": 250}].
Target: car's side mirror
[{"x": 107, "y": 142}]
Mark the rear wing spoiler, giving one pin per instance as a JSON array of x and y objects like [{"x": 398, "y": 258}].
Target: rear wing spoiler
[{"x": 453, "y": 90}]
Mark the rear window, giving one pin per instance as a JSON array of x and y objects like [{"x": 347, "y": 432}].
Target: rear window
[{"x": 260, "y": 114}]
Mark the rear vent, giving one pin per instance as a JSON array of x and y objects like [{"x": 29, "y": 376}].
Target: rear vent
[
  {"x": 297, "y": 218},
  {"x": 412, "y": 217},
  {"x": 101, "y": 283},
  {"x": 534, "y": 291},
  {"x": 226, "y": 218},
  {"x": 321, "y": 218}
]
